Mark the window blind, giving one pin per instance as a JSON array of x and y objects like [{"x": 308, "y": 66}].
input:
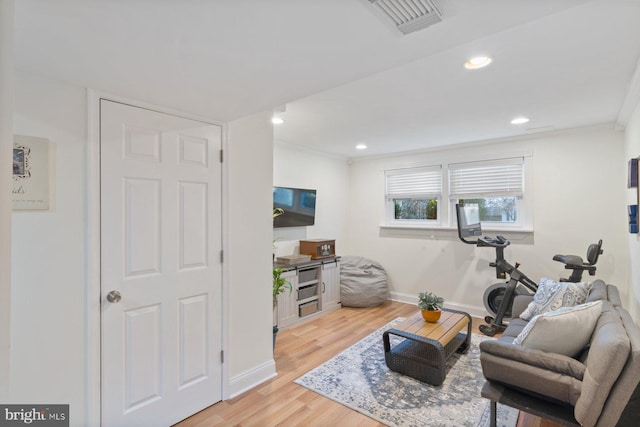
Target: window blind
[
  {"x": 486, "y": 179},
  {"x": 414, "y": 183}
]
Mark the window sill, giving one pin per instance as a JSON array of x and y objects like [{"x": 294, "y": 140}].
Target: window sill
[{"x": 432, "y": 232}]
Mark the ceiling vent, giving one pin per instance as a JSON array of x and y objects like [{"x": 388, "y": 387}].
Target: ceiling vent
[{"x": 409, "y": 15}]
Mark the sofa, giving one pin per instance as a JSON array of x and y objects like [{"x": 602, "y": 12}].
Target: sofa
[{"x": 596, "y": 386}]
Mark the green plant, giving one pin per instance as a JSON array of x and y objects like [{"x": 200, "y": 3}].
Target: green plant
[
  {"x": 429, "y": 301},
  {"x": 280, "y": 284}
]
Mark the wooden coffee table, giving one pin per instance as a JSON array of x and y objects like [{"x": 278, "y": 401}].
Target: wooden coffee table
[{"x": 426, "y": 346}]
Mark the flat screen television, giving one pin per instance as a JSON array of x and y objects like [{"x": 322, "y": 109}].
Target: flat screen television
[
  {"x": 298, "y": 204},
  {"x": 468, "y": 220}
]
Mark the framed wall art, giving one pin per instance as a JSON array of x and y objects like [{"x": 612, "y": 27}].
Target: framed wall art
[
  {"x": 632, "y": 177},
  {"x": 30, "y": 173}
]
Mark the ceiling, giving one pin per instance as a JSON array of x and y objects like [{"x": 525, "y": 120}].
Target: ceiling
[{"x": 344, "y": 74}]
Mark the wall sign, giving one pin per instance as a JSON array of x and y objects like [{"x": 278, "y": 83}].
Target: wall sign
[{"x": 30, "y": 173}]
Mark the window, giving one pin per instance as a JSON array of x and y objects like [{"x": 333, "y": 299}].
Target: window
[
  {"x": 497, "y": 187},
  {"x": 413, "y": 195},
  {"x": 495, "y": 209}
]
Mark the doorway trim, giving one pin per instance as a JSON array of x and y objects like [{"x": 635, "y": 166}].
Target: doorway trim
[{"x": 93, "y": 384}]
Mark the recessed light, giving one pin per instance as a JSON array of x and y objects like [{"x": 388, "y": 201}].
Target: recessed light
[
  {"x": 361, "y": 146},
  {"x": 477, "y": 62},
  {"x": 277, "y": 120},
  {"x": 519, "y": 120}
]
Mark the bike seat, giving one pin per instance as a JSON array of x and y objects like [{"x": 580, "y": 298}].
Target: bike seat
[
  {"x": 577, "y": 264},
  {"x": 569, "y": 259}
]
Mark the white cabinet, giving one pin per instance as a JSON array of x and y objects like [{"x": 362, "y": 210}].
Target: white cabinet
[
  {"x": 330, "y": 285},
  {"x": 287, "y": 310},
  {"x": 315, "y": 288}
]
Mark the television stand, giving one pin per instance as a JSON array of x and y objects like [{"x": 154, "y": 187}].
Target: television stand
[{"x": 315, "y": 289}]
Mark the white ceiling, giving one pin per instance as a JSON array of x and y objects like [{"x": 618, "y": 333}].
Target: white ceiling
[{"x": 345, "y": 75}]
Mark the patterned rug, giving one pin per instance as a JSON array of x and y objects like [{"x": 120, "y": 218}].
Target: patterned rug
[{"x": 359, "y": 379}]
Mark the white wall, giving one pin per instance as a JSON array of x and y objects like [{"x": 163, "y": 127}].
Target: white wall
[
  {"x": 250, "y": 177},
  {"x": 632, "y": 150},
  {"x": 300, "y": 168},
  {"x": 6, "y": 182},
  {"x": 48, "y": 319},
  {"x": 579, "y": 192}
]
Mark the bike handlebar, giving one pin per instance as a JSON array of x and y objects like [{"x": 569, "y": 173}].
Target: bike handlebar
[{"x": 498, "y": 242}]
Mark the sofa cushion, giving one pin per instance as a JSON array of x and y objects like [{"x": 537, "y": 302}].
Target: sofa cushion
[
  {"x": 520, "y": 304},
  {"x": 515, "y": 327},
  {"x": 597, "y": 292},
  {"x": 552, "y": 362},
  {"x": 552, "y": 295},
  {"x": 563, "y": 331},
  {"x": 557, "y": 377},
  {"x": 613, "y": 295}
]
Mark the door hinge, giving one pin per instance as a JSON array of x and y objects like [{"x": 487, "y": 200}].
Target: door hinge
[
  {"x": 221, "y": 256},
  {"x": 222, "y": 356},
  {"x": 221, "y": 156}
]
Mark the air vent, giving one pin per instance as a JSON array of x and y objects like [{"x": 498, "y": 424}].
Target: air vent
[{"x": 409, "y": 15}]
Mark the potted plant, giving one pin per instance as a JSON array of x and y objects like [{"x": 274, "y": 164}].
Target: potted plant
[
  {"x": 430, "y": 305},
  {"x": 280, "y": 284}
]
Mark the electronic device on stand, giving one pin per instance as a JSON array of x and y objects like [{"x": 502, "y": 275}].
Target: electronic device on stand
[{"x": 499, "y": 295}]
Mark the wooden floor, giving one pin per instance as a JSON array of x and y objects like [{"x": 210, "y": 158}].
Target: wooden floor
[{"x": 280, "y": 402}]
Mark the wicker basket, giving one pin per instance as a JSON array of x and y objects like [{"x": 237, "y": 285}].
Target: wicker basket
[{"x": 307, "y": 292}]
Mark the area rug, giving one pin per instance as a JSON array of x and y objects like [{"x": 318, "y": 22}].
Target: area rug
[{"x": 359, "y": 379}]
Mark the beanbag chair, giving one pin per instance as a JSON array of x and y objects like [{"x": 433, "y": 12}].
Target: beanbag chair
[{"x": 363, "y": 282}]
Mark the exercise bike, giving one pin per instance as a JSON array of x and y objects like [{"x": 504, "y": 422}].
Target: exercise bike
[
  {"x": 499, "y": 297},
  {"x": 494, "y": 294},
  {"x": 503, "y": 294}
]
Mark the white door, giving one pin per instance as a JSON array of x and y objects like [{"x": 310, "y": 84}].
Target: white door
[{"x": 160, "y": 254}]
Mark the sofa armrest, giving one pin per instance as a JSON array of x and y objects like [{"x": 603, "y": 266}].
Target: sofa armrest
[{"x": 552, "y": 362}]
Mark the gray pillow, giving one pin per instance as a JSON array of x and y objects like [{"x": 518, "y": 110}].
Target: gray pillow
[
  {"x": 564, "y": 331},
  {"x": 552, "y": 295}
]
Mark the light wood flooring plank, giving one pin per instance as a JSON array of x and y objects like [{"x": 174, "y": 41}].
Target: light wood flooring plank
[{"x": 280, "y": 402}]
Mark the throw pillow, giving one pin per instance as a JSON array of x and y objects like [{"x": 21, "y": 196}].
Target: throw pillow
[
  {"x": 564, "y": 331},
  {"x": 552, "y": 295}
]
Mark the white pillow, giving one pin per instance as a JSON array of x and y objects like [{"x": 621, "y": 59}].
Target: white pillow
[
  {"x": 552, "y": 295},
  {"x": 564, "y": 331}
]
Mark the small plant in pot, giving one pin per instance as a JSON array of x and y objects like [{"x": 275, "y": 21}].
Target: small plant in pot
[
  {"x": 430, "y": 304},
  {"x": 280, "y": 284}
]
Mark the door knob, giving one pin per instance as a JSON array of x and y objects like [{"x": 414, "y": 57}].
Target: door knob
[{"x": 114, "y": 296}]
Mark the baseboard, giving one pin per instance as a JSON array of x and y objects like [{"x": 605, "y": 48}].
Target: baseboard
[
  {"x": 474, "y": 311},
  {"x": 251, "y": 378}
]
